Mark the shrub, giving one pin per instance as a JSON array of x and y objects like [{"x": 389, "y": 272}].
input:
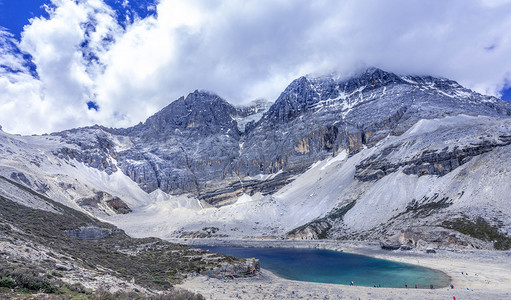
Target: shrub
[
  {"x": 480, "y": 229},
  {"x": 7, "y": 282},
  {"x": 178, "y": 294},
  {"x": 28, "y": 280}
]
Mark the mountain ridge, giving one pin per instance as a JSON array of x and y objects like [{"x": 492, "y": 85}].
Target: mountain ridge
[{"x": 193, "y": 155}]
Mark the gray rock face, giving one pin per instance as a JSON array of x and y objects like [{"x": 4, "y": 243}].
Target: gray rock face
[
  {"x": 91, "y": 233},
  {"x": 219, "y": 196},
  {"x": 428, "y": 163},
  {"x": 316, "y": 117},
  {"x": 246, "y": 268},
  {"x": 36, "y": 185},
  {"x": 104, "y": 201},
  {"x": 312, "y": 231},
  {"x": 185, "y": 147},
  {"x": 93, "y": 146},
  {"x": 20, "y": 177},
  {"x": 194, "y": 145}
]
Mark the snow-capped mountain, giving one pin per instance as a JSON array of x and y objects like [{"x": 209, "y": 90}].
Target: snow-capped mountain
[{"x": 375, "y": 155}]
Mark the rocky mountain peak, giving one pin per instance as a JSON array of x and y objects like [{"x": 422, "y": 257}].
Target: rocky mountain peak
[
  {"x": 427, "y": 80},
  {"x": 202, "y": 144},
  {"x": 201, "y": 111},
  {"x": 305, "y": 92},
  {"x": 295, "y": 99},
  {"x": 376, "y": 77},
  {"x": 421, "y": 155},
  {"x": 202, "y": 96}
]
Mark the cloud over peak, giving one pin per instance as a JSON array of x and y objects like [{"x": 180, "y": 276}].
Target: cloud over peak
[{"x": 83, "y": 53}]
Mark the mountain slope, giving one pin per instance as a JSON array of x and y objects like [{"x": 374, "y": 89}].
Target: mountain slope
[
  {"x": 194, "y": 144},
  {"x": 74, "y": 253},
  {"x": 315, "y": 117},
  {"x": 329, "y": 152}
]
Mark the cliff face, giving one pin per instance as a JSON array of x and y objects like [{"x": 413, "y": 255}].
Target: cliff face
[{"x": 428, "y": 162}]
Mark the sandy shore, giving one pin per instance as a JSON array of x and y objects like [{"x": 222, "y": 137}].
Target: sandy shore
[{"x": 476, "y": 274}]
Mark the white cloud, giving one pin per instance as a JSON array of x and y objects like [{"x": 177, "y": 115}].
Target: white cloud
[
  {"x": 10, "y": 58},
  {"x": 240, "y": 49},
  {"x": 57, "y": 100}
]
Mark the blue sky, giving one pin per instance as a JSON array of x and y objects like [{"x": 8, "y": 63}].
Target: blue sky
[
  {"x": 116, "y": 62},
  {"x": 506, "y": 94},
  {"x": 14, "y": 14}
]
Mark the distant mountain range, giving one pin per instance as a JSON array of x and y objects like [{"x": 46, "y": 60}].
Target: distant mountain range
[{"x": 414, "y": 160}]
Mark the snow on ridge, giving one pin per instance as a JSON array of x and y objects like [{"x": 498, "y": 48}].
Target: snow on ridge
[
  {"x": 242, "y": 122},
  {"x": 339, "y": 101},
  {"x": 407, "y": 79}
]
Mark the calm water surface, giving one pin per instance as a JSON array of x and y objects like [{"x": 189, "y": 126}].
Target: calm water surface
[{"x": 328, "y": 266}]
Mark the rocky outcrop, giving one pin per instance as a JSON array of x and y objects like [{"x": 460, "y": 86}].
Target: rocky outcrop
[
  {"x": 106, "y": 203},
  {"x": 92, "y": 146},
  {"x": 429, "y": 162},
  {"x": 38, "y": 186},
  {"x": 313, "y": 231},
  {"x": 21, "y": 178},
  {"x": 228, "y": 193},
  {"x": 437, "y": 238},
  {"x": 320, "y": 228},
  {"x": 118, "y": 205},
  {"x": 246, "y": 268},
  {"x": 390, "y": 247}
]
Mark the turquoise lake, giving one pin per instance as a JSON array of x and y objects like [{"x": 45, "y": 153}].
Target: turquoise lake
[{"x": 326, "y": 266}]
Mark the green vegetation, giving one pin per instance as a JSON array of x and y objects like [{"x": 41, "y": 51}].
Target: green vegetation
[
  {"x": 424, "y": 209},
  {"x": 425, "y": 206},
  {"x": 22, "y": 278},
  {"x": 150, "y": 262},
  {"x": 339, "y": 212},
  {"x": 480, "y": 229}
]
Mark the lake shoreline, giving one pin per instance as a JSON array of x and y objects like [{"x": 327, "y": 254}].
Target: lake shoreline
[
  {"x": 475, "y": 274},
  {"x": 336, "y": 267}
]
